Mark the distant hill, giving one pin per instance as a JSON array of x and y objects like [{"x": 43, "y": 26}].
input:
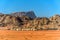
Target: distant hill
[{"x": 30, "y": 14}]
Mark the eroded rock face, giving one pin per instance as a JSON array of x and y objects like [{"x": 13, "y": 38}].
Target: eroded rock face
[
  {"x": 13, "y": 22},
  {"x": 43, "y": 23},
  {"x": 10, "y": 22}
]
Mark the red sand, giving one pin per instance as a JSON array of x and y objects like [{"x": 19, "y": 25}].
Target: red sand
[{"x": 29, "y": 35}]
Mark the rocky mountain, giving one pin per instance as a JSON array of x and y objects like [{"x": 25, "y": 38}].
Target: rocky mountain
[
  {"x": 27, "y": 22},
  {"x": 20, "y": 14}
]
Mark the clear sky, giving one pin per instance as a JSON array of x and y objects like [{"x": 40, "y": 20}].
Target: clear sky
[{"x": 41, "y": 8}]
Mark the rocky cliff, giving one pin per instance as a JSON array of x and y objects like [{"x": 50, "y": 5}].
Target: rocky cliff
[{"x": 28, "y": 22}]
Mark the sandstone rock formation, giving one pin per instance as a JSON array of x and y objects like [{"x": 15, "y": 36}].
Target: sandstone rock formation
[{"x": 20, "y": 21}]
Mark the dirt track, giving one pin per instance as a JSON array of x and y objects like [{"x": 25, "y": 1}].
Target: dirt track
[{"x": 29, "y": 35}]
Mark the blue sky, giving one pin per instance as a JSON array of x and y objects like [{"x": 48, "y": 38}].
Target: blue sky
[{"x": 42, "y": 8}]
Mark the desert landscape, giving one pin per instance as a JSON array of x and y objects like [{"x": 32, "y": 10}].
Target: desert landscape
[
  {"x": 30, "y": 35},
  {"x": 26, "y": 26},
  {"x": 29, "y": 19}
]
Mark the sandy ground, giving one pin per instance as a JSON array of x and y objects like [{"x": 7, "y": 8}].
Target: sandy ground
[{"x": 29, "y": 35}]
